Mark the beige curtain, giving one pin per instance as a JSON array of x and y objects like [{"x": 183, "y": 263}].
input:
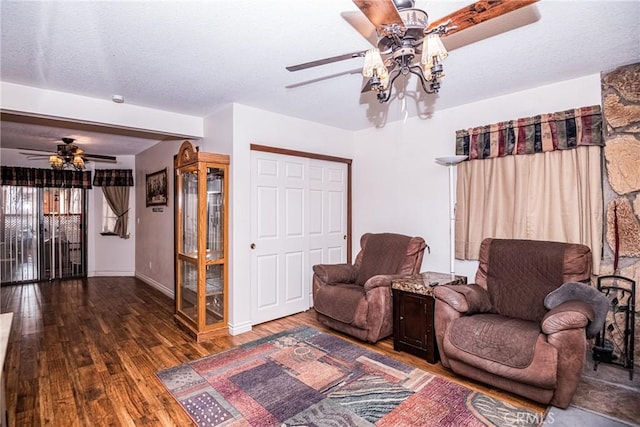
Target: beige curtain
[
  {"x": 118, "y": 199},
  {"x": 555, "y": 195}
]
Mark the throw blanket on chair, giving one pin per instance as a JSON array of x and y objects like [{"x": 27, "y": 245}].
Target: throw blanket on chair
[
  {"x": 518, "y": 288},
  {"x": 383, "y": 254}
]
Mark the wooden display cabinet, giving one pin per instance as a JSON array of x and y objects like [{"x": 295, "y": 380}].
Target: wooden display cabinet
[{"x": 201, "y": 235}]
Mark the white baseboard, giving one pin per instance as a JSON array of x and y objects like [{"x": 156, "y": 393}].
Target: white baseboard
[
  {"x": 157, "y": 285},
  {"x": 239, "y": 328},
  {"x": 111, "y": 273}
]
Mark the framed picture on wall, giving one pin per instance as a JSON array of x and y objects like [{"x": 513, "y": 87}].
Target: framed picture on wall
[{"x": 157, "y": 188}]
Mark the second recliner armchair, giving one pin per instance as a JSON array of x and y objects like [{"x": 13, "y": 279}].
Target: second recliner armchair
[
  {"x": 356, "y": 299},
  {"x": 518, "y": 327}
]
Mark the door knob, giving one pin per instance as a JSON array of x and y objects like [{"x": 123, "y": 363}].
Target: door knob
[{"x": 253, "y": 246}]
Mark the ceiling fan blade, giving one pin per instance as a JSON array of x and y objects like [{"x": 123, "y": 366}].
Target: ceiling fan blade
[
  {"x": 380, "y": 12},
  {"x": 319, "y": 79},
  {"x": 326, "y": 61},
  {"x": 87, "y": 157},
  {"x": 499, "y": 25},
  {"x": 35, "y": 156},
  {"x": 100, "y": 158},
  {"x": 31, "y": 152},
  {"x": 479, "y": 12},
  {"x": 362, "y": 25}
]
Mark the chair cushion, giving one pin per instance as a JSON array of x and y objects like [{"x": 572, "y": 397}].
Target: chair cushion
[
  {"x": 383, "y": 253},
  {"x": 339, "y": 301},
  {"x": 521, "y": 273},
  {"x": 504, "y": 340}
]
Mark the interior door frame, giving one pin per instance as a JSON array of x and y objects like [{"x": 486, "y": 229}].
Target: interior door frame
[{"x": 316, "y": 156}]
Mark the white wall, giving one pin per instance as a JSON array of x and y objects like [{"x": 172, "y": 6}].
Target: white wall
[
  {"x": 154, "y": 252},
  {"x": 106, "y": 255},
  {"x": 398, "y": 187},
  {"x": 254, "y": 126},
  {"x": 31, "y": 101}
]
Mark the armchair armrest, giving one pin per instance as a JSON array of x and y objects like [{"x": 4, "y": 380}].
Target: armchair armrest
[
  {"x": 335, "y": 273},
  {"x": 381, "y": 280},
  {"x": 581, "y": 292},
  {"x": 572, "y": 314},
  {"x": 466, "y": 299}
]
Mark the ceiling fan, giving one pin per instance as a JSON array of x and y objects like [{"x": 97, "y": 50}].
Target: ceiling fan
[
  {"x": 68, "y": 156},
  {"x": 408, "y": 44}
]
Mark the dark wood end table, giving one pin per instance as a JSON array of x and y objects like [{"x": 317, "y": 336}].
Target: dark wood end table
[{"x": 413, "y": 310}]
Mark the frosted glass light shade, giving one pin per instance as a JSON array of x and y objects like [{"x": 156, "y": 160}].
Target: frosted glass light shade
[
  {"x": 373, "y": 62},
  {"x": 55, "y": 161},
  {"x": 432, "y": 47},
  {"x": 78, "y": 162}
]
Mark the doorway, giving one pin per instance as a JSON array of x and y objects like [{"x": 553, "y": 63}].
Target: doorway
[{"x": 42, "y": 234}]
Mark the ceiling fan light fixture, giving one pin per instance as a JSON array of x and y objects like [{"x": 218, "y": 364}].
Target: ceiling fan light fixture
[
  {"x": 404, "y": 33},
  {"x": 56, "y": 162},
  {"x": 373, "y": 64},
  {"x": 433, "y": 51},
  {"x": 78, "y": 162},
  {"x": 68, "y": 156}
]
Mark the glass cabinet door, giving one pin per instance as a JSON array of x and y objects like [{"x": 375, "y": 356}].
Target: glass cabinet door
[
  {"x": 215, "y": 209},
  {"x": 188, "y": 267},
  {"x": 189, "y": 190},
  {"x": 188, "y": 303},
  {"x": 214, "y": 299}
]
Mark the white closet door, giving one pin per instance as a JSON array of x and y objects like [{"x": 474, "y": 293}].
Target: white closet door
[
  {"x": 327, "y": 214},
  {"x": 298, "y": 219}
]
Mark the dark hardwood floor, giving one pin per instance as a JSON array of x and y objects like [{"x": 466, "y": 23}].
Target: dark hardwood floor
[{"x": 85, "y": 353}]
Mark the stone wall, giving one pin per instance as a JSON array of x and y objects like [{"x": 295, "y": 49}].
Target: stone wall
[{"x": 621, "y": 115}]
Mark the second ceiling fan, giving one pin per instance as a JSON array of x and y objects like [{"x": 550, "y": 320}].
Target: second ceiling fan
[
  {"x": 408, "y": 44},
  {"x": 69, "y": 156}
]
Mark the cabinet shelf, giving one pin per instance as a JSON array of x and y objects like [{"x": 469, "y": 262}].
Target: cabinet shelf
[
  {"x": 210, "y": 255},
  {"x": 201, "y": 241}
]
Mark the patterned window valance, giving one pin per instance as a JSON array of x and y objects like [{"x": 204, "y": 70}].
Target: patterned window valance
[
  {"x": 32, "y": 177},
  {"x": 546, "y": 132},
  {"x": 113, "y": 178}
]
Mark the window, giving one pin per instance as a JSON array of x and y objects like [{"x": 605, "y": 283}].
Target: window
[
  {"x": 108, "y": 218},
  {"x": 534, "y": 178},
  {"x": 115, "y": 185}
]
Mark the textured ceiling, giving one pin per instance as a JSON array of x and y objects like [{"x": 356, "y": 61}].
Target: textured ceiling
[{"x": 194, "y": 57}]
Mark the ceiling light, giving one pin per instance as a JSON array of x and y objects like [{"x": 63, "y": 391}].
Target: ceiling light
[
  {"x": 56, "y": 162},
  {"x": 433, "y": 53},
  {"x": 78, "y": 162},
  {"x": 403, "y": 59},
  {"x": 375, "y": 69},
  {"x": 66, "y": 162},
  {"x": 408, "y": 44},
  {"x": 68, "y": 156}
]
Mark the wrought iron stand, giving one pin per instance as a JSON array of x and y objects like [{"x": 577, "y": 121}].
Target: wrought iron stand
[{"x": 614, "y": 344}]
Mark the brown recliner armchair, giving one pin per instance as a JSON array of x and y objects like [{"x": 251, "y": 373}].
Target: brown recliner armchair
[
  {"x": 498, "y": 330},
  {"x": 356, "y": 299}
]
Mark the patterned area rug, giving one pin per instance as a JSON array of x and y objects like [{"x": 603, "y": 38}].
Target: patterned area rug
[{"x": 304, "y": 377}]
